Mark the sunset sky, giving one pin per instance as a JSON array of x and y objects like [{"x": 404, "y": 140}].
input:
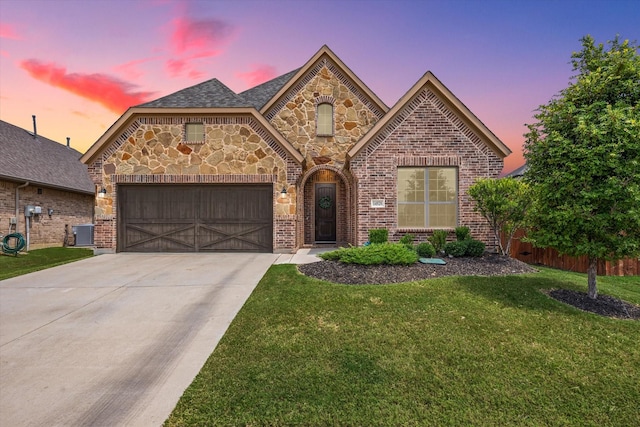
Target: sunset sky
[{"x": 78, "y": 64}]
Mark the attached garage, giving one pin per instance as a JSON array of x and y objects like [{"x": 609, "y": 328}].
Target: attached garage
[{"x": 195, "y": 218}]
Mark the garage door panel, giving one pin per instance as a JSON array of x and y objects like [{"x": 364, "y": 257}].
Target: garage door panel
[
  {"x": 154, "y": 237},
  {"x": 246, "y": 237},
  {"x": 194, "y": 218}
]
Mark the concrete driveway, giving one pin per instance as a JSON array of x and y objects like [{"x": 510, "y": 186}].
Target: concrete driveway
[{"x": 114, "y": 340}]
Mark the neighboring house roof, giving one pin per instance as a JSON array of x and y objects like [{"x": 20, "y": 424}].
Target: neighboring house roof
[
  {"x": 209, "y": 94},
  {"x": 430, "y": 82},
  {"x": 41, "y": 161},
  {"x": 301, "y": 72},
  {"x": 517, "y": 172},
  {"x": 261, "y": 94}
]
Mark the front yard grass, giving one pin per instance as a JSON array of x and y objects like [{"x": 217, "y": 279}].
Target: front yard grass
[
  {"x": 450, "y": 351},
  {"x": 39, "y": 259}
]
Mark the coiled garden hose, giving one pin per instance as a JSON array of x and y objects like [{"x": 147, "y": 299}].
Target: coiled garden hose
[{"x": 18, "y": 244}]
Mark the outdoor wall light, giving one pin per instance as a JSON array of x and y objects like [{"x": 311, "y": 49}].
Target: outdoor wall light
[
  {"x": 102, "y": 192},
  {"x": 283, "y": 193}
]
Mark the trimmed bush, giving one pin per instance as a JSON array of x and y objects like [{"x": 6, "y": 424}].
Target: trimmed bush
[
  {"x": 385, "y": 253},
  {"x": 438, "y": 239},
  {"x": 462, "y": 233},
  {"x": 425, "y": 250},
  {"x": 457, "y": 248},
  {"x": 475, "y": 248},
  {"x": 378, "y": 235},
  {"x": 407, "y": 239}
]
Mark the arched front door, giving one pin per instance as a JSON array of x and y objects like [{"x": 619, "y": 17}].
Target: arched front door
[{"x": 325, "y": 212}]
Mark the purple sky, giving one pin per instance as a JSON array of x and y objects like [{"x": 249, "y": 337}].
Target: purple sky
[{"x": 79, "y": 64}]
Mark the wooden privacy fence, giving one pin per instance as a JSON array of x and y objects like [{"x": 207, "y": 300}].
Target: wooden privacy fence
[{"x": 551, "y": 258}]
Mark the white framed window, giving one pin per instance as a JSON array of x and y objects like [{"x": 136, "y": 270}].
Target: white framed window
[
  {"x": 324, "y": 122},
  {"x": 427, "y": 197},
  {"x": 194, "y": 132}
]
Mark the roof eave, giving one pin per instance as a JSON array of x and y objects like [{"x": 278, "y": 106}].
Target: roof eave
[
  {"x": 324, "y": 50},
  {"x": 430, "y": 80},
  {"x": 45, "y": 184}
]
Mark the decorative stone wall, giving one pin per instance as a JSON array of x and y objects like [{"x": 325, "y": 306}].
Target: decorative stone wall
[
  {"x": 234, "y": 150},
  {"x": 69, "y": 209},
  {"x": 296, "y": 119},
  {"x": 425, "y": 133}
]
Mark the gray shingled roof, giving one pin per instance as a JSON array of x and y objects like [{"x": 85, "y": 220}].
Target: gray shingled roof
[
  {"x": 209, "y": 94},
  {"x": 41, "y": 161},
  {"x": 258, "y": 96},
  {"x": 518, "y": 172},
  {"x": 213, "y": 93}
]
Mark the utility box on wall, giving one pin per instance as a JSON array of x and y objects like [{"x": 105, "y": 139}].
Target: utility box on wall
[{"x": 83, "y": 234}]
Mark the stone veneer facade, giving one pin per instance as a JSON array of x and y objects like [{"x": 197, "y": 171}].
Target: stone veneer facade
[{"x": 237, "y": 148}]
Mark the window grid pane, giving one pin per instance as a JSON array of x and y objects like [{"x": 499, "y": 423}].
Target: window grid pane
[
  {"x": 325, "y": 119},
  {"x": 194, "y": 132},
  {"x": 427, "y": 197}
]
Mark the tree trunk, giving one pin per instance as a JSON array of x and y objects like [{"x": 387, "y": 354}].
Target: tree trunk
[{"x": 591, "y": 277}]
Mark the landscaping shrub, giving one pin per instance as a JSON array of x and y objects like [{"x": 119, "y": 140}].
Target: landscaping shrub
[
  {"x": 457, "y": 248},
  {"x": 462, "y": 233},
  {"x": 378, "y": 235},
  {"x": 438, "y": 239},
  {"x": 475, "y": 248},
  {"x": 407, "y": 239},
  {"x": 425, "y": 250},
  {"x": 386, "y": 253}
]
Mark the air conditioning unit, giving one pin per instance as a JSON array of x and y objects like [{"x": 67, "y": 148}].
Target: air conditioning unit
[{"x": 83, "y": 234}]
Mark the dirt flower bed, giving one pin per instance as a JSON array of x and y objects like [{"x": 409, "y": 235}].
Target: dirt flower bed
[
  {"x": 352, "y": 274},
  {"x": 487, "y": 265}
]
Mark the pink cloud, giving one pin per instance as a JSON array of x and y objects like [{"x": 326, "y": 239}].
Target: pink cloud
[
  {"x": 7, "y": 31},
  {"x": 112, "y": 93},
  {"x": 175, "y": 67},
  {"x": 196, "y": 35},
  {"x": 130, "y": 69},
  {"x": 259, "y": 73}
]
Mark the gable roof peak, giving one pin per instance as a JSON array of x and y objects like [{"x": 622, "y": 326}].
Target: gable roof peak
[{"x": 208, "y": 94}]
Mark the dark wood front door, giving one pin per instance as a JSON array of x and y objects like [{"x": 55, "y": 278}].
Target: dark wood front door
[
  {"x": 325, "y": 212},
  {"x": 195, "y": 218}
]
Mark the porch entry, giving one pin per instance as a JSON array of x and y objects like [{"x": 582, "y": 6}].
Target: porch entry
[{"x": 325, "y": 212}]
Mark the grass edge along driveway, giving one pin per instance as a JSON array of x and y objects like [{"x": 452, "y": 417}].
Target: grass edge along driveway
[
  {"x": 449, "y": 351},
  {"x": 39, "y": 259}
]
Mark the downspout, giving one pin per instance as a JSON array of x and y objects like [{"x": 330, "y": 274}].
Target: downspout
[{"x": 18, "y": 204}]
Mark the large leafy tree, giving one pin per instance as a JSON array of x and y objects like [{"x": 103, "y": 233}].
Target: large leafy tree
[{"x": 583, "y": 155}]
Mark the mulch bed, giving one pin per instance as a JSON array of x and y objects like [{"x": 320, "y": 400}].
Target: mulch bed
[{"x": 487, "y": 265}]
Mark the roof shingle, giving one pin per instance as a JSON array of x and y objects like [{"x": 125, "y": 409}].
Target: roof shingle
[
  {"x": 209, "y": 94},
  {"x": 41, "y": 161}
]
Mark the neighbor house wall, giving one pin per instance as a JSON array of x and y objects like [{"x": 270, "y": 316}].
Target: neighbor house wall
[
  {"x": 69, "y": 209},
  {"x": 425, "y": 133}
]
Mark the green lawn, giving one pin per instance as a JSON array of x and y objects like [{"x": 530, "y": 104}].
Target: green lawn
[
  {"x": 39, "y": 259},
  {"x": 466, "y": 351}
]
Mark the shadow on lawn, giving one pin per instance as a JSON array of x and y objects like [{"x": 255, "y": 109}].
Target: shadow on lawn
[{"x": 519, "y": 291}]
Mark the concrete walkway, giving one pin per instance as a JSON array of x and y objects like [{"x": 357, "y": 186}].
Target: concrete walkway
[
  {"x": 303, "y": 256},
  {"x": 114, "y": 340}
]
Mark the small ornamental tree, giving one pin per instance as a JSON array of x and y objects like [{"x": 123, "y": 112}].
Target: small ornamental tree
[
  {"x": 583, "y": 155},
  {"x": 503, "y": 203}
]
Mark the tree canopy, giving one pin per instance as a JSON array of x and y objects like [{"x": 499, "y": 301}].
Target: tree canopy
[{"x": 583, "y": 157}]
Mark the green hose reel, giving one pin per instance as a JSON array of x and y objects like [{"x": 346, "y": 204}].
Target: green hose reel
[{"x": 17, "y": 245}]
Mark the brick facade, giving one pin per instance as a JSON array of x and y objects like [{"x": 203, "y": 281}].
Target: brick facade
[
  {"x": 369, "y": 142},
  {"x": 426, "y": 133},
  {"x": 69, "y": 209}
]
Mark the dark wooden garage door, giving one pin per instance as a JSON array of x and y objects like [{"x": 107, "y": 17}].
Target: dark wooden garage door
[{"x": 195, "y": 218}]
